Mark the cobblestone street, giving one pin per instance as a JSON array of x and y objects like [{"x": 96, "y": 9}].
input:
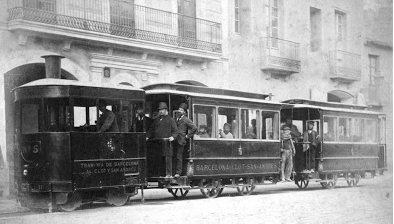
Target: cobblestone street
[{"x": 369, "y": 202}]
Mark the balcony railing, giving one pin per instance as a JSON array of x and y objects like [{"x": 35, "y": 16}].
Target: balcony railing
[
  {"x": 121, "y": 18},
  {"x": 345, "y": 66},
  {"x": 280, "y": 56}
]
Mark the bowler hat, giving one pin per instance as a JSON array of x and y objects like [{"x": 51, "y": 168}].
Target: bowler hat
[
  {"x": 311, "y": 122},
  {"x": 162, "y": 105},
  {"x": 183, "y": 106}
]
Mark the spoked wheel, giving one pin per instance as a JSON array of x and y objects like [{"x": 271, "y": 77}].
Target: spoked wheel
[
  {"x": 117, "y": 197},
  {"x": 213, "y": 190},
  {"x": 331, "y": 183},
  {"x": 248, "y": 189},
  {"x": 301, "y": 183},
  {"x": 178, "y": 193},
  {"x": 74, "y": 200}
]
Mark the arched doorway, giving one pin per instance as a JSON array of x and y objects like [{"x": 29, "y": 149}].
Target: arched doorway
[
  {"x": 191, "y": 83},
  {"x": 12, "y": 79},
  {"x": 340, "y": 96}
]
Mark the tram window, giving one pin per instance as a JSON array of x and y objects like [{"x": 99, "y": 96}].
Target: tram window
[
  {"x": 270, "y": 125},
  {"x": 370, "y": 131},
  {"x": 204, "y": 118},
  {"x": 79, "y": 116},
  {"x": 357, "y": 129},
  {"x": 228, "y": 123},
  {"x": 382, "y": 130},
  {"x": 330, "y": 129},
  {"x": 30, "y": 118},
  {"x": 249, "y": 124},
  {"x": 57, "y": 115},
  {"x": 344, "y": 129}
]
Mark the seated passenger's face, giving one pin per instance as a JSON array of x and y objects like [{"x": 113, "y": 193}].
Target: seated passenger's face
[
  {"x": 226, "y": 129},
  {"x": 202, "y": 130}
]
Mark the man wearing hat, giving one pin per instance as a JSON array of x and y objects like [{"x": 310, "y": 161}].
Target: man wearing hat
[
  {"x": 164, "y": 127},
  {"x": 287, "y": 153},
  {"x": 313, "y": 138},
  {"x": 107, "y": 121},
  {"x": 186, "y": 130}
]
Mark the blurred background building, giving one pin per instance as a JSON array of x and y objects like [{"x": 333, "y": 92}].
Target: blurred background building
[{"x": 326, "y": 50}]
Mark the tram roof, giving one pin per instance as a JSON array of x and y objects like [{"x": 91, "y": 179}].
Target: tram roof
[
  {"x": 207, "y": 92},
  {"x": 330, "y": 106},
  {"x": 65, "y": 87}
]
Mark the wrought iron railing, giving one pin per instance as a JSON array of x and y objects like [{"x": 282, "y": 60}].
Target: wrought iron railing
[
  {"x": 121, "y": 18},
  {"x": 345, "y": 65},
  {"x": 282, "y": 53}
]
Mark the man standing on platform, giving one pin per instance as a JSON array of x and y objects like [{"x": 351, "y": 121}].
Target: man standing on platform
[
  {"x": 312, "y": 137},
  {"x": 165, "y": 127},
  {"x": 186, "y": 130}
]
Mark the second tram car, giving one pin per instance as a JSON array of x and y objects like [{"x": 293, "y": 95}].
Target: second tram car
[{"x": 211, "y": 163}]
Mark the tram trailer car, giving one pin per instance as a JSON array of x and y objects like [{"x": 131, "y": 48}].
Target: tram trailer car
[
  {"x": 352, "y": 142},
  {"x": 211, "y": 163},
  {"x": 60, "y": 158}
]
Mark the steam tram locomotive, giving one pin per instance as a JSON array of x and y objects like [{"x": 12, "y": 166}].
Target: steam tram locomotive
[{"x": 60, "y": 159}]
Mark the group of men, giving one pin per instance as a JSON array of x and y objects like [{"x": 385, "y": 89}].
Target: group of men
[{"x": 289, "y": 135}]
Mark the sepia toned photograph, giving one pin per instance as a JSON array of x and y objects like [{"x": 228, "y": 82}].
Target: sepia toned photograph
[{"x": 196, "y": 111}]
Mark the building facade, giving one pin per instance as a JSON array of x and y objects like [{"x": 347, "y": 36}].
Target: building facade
[{"x": 311, "y": 49}]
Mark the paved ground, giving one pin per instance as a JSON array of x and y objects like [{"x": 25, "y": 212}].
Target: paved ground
[{"x": 370, "y": 202}]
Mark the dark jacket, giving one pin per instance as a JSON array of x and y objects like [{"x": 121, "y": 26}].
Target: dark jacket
[
  {"x": 107, "y": 122},
  {"x": 163, "y": 127},
  {"x": 184, "y": 125},
  {"x": 138, "y": 124}
]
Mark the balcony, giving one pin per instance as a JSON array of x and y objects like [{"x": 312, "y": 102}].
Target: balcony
[
  {"x": 345, "y": 67},
  {"x": 280, "y": 57},
  {"x": 118, "y": 22}
]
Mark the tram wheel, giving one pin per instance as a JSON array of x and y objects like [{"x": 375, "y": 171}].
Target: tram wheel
[
  {"x": 331, "y": 183},
  {"x": 117, "y": 197},
  {"x": 245, "y": 190},
  {"x": 302, "y": 184},
  {"x": 248, "y": 189},
  {"x": 212, "y": 190},
  {"x": 74, "y": 200},
  {"x": 178, "y": 193}
]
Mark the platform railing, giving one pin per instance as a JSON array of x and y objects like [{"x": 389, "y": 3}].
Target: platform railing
[{"x": 121, "y": 18}]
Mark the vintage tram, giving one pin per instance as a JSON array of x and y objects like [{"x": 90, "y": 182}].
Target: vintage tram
[
  {"x": 351, "y": 142},
  {"x": 211, "y": 163},
  {"x": 60, "y": 158}
]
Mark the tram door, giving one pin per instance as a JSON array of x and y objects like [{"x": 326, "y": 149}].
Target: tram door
[{"x": 382, "y": 163}]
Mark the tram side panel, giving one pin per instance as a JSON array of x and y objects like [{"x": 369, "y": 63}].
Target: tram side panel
[
  {"x": 350, "y": 157},
  {"x": 234, "y": 158},
  {"x": 108, "y": 159}
]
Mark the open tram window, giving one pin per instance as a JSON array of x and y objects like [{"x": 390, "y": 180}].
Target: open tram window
[
  {"x": 330, "y": 129},
  {"x": 344, "y": 129},
  {"x": 270, "y": 125},
  {"x": 249, "y": 124},
  {"x": 228, "y": 123},
  {"x": 85, "y": 114},
  {"x": 357, "y": 129},
  {"x": 204, "y": 118}
]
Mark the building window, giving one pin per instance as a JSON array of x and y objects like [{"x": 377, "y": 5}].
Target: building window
[
  {"x": 273, "y": 21},
  {"x": 340, "y": 29},
  {"x": 236, "y": 16},
  {"x": 316, "y": 29},
  {"x": 373, "y": 69}
]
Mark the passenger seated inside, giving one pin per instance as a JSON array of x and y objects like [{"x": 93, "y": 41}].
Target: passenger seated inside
[
  {"x": 225, "y": 133},
  {"x": 202, "y": 132},
  {"x": 329, "y": 136},
  {"x": 107, "y": 121},
  {"x": 250, "y": 133}
]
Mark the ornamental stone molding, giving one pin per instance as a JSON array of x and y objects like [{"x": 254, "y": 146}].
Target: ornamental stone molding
[{"x": 131, "y": 64}]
